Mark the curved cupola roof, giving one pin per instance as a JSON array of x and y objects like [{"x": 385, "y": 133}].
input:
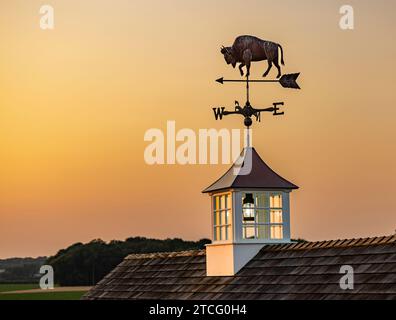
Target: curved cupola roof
[{"x": 261, "y": 176}]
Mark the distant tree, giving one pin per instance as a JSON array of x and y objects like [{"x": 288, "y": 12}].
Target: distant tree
[
  {"x": 20, "y": 270},
  {"x": 86, "y": 264}
]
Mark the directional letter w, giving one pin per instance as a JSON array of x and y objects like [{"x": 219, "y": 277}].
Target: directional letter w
[{"x": 218, "y": 112}]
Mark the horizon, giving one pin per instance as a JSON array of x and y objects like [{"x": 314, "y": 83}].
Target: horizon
[
  {"x": 75, "y": 106},
  {"x": 107, "y": 242}
]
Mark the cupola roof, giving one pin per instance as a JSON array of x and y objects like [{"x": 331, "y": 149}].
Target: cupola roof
[{"x": 261, "y": 176}]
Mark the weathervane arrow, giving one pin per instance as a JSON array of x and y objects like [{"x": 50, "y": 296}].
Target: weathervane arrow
[{"x": 286, "y": 81}]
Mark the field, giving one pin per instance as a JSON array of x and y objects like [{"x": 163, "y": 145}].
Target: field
[
  {"x": 43, "y": 296},
  {"x": 32, "y": 292},
  {"x": 17, "y": 287}
]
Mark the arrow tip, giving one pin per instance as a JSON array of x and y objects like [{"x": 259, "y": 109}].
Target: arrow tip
[
  {"x": 220, "y": 80},
  {"x": 290, "y": 81},
  {"x": 297, "y": 75}
]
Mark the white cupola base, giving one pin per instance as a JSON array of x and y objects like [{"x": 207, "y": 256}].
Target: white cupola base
[{"x": 228, "y": 259}]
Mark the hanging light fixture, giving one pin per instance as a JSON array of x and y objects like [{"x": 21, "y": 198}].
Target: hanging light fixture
[{"x": 248, "y": 208}]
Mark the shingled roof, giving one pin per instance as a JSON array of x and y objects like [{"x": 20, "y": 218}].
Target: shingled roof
[
  {"x": 301, "y": 271},
  {"x": 261, "y": 176}
]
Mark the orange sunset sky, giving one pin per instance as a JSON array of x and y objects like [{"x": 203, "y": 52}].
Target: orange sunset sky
[{"x": 75, "y": 103}]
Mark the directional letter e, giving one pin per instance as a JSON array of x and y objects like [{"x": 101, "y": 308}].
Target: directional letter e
[
  {"x": 47, "y": 280},
  {"x": 347, "y": 280},
  {"x": 47, "y": 18},
  {"x": 347, "y": 20}
]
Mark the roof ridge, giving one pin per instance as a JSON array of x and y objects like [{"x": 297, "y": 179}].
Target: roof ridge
[
  {"x": 340, "y": 243},
  {"x": 309, "y": 245},
  {"x": 174, "y": 254}
]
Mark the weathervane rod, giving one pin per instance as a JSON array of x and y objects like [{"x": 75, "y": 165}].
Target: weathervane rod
[{"x": 247, "y": 88}]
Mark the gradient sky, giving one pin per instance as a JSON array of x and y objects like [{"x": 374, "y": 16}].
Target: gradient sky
[{"x": 75, "y": 103}]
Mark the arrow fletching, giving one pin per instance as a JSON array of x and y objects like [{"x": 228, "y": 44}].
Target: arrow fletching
[{"x": 289, "y": 81}]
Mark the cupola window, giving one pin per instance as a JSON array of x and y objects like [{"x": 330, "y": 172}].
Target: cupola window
[
  {"x": 222, "y": 220},
  {"x": 262, "y": 216}
]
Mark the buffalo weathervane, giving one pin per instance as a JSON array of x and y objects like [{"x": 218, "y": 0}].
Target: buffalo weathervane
[{"x": 245, "y": 50}]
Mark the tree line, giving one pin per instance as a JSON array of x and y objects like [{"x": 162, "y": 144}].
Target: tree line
[{"x": 86, "y": 264}]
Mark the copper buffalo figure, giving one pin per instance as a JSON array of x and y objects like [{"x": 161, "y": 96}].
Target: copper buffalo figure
[{"x": 247, "y": 49}]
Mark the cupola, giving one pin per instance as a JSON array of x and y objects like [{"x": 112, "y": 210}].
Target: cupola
[{"x": 250, "y": 207}]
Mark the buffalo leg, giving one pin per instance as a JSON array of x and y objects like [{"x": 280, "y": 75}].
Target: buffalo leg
[
  {"x": 247, "y": 59},
  {"x": 269, "y": 68},
  {"x": 276, "y": 63},
  {"x": 240, "y": 68},
  {"x": 248, "y": 69}
]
